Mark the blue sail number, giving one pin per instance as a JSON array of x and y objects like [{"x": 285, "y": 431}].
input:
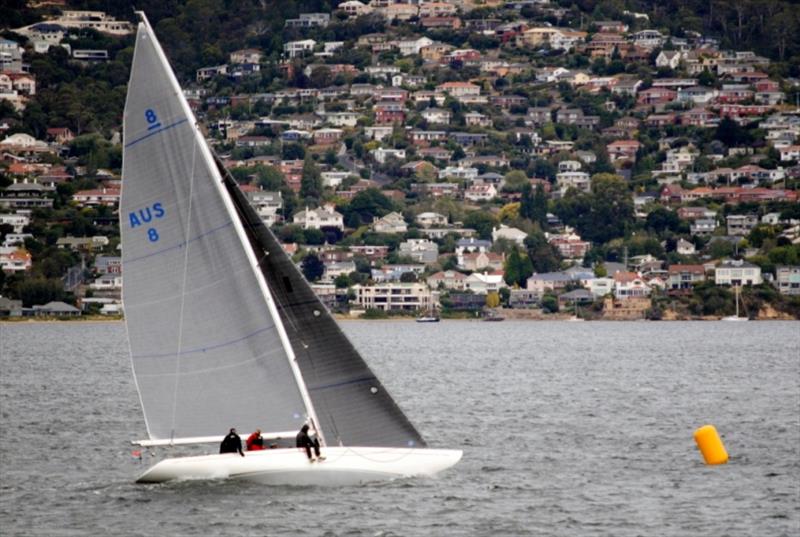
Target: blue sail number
[{"x": 146, "y": 215}]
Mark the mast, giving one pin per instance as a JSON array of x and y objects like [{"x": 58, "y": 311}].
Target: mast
[{"x": 240, "y": 232}]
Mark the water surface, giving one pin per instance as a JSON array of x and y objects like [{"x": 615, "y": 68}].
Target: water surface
[{"x": 567, "y": 429}]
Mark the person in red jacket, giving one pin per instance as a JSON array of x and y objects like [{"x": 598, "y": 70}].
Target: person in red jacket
[{"x": 254, "y": 441}]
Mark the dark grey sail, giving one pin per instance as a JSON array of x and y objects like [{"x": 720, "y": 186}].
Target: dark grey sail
[{"x": 353, "y": 408}]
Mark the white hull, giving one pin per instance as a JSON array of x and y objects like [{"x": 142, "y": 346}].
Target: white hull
[
  {"x": 343, "y": 466},
  {"x": 734, "y": 319}
]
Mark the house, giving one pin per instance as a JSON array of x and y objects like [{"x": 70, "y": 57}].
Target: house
[
  {"x": 649, "y": 39},
  {"x": 459, "y": 89},
  {"x": 573, "y": 179},
  {"x": 17, "y": 221},
  {"x": 737, "y": 273},
  {"x": 437, "y": 115},
  {"x": 684, "y": 276},
  {"x": 703, "y": 227},
  {"x": 480, "y": 191},
  {"x": 684, "y": 247},
  {"x": 394, "y": 297},
  {"x": 448, "y": 279},
  {"x": 56, "y": 309},
  {"x": 207, "y": 73},
  {"x": 247, "y": 55},
  {"x": 622, "y": 150},
  {"x": 390, "y": 223},
  {"x": 389, "y": 112},
  {"x": 787, "y": 280},
  {"x": 14, "y": 259},
  {"x": 510, "y": 234},
  {"x": 371, "y": 253},
  {"x": 381, "y": 155},
  {"x": 669, "y": 59},
  {"x": 323, "y": 217},
  {"x": 539, "y": 284},
  {"x": 354, "y": 8},
  {"x": 629, "y": 285},
  {"x": 108, "y": 197},
  {"x": 476, "y": 119},
  {"x": 480, "y": 261},
  {"x": 420, "y": 250},
  {"x": 789, "y": 153},
  {"x": 309, "y": 20},
  {"x": 430, "y": 219},
  {"x": 413, "y": 46},
  {"x": 698, "y": 95},
  {"x": 294, "y": 49},
  {"x": 741, "y": 224},
  {"x": 483, "y": 283},
  {"x": 10, "y": 308}
]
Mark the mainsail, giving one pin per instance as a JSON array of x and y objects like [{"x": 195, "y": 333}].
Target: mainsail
[
  {"x": 206, "y": 352},
  {"x": 212, "y": 336}
]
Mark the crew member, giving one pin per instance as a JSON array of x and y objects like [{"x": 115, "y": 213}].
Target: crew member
[
  {"x": 231, "y": 443},
  {"x": 254, "y": 442},
  {"x": 305, "y": 441}
]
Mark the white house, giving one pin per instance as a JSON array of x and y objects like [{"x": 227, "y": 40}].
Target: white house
[
  {"x": 668, "y": 58},
  {"x": 482, "y": 283},
  {"x": 381, "y": 154},
  {"x": 429, "y": 219},
  {"x": 298, "y": 48},
  {"x": 391, "y": 223},
  {"x": 319, "y": 218},
  {"x": 736, "y": 272},
  {"x": 480, "y": 192},
  {"x": 509, "y": 233},
  {"x": 420, "y": 250}
]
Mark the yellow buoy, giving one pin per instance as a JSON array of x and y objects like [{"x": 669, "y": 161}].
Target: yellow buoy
[{"x": 710, "y": 445}]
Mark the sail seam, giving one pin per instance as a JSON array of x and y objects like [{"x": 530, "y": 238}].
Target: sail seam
[
  {"x": 181, "y": 244},
  {"x": 159, "y": 131},
  {"x": 208, "y": 347}
]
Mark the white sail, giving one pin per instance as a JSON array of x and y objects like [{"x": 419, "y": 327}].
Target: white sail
[{"x": 206, "y": 351}]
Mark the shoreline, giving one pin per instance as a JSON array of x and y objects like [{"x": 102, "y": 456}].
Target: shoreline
[{"x": 27, "y": 320}]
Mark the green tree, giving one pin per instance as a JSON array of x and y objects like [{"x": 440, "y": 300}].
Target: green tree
[
  {"x": 543, "y": 256},
  {"x": 311, "y": 181},
  {"x": 312, "y": 267},
  {"x": 365, "y": 206},
  {"x": 515, "y": 181},
  {"x": 518, "y": 269},
  {"x": 482, "y": 222}
]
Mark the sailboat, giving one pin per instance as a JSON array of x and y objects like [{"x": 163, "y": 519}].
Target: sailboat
[
  {"x": 735, "y": 317},
  {"x": 223, "y": 329}
]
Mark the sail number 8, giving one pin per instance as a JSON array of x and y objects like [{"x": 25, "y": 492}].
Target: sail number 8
[{"x": 152, "y": 119}]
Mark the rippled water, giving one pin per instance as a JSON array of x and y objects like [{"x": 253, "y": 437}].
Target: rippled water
[{"x": 567, "y": 429}]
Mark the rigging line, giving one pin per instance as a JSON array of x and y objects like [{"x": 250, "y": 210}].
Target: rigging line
[{"x": 179, "y": 350}]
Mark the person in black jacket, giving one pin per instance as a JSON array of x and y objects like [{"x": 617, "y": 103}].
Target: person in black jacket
[
  {"x": 305, "y": 441},
  {"x": 231, "y": 443}
]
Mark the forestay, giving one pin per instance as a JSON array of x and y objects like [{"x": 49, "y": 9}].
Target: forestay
[{"x": 206, "y": 353}]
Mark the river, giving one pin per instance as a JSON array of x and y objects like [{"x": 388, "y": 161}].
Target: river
[{"x": 567, "y": 429}]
